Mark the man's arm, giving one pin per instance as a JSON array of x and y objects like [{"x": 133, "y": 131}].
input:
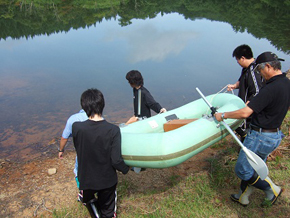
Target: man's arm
[
  {"x": 116, "y": 156},
  {"x": 233, "y": 86},
  {"x": 132, "y": 120},
  {"x": 62, "y": 144},
  {"x": 153, "y": 105},
  {"x": 238, "y": 114}
]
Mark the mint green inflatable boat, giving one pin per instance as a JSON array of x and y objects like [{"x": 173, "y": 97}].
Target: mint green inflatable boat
[{"x": 145, "y": 143}]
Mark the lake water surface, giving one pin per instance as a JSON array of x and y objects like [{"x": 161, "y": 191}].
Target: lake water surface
[{"x": 42, "y": 78}]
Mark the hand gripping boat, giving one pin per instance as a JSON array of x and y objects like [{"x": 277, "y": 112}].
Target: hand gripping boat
[{"x": 145, "y": 143}]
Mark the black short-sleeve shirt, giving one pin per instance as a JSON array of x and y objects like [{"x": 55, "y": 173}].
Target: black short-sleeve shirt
[{"x": 272, "y": 103}]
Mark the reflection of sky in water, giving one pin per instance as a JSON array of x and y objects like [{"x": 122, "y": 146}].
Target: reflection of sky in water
[{"x": 47, "y": 74}]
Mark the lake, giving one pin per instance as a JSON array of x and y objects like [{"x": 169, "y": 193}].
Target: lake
[{"x": 49, "y": 57}]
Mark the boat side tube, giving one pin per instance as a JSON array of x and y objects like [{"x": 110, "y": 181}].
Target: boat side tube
[{"x": 145, "y": 144}]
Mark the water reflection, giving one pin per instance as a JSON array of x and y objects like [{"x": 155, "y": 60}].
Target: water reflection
[{"x": 42, "y": 78}]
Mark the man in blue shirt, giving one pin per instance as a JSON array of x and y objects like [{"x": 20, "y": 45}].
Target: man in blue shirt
[{"x": 67, "y": 132}]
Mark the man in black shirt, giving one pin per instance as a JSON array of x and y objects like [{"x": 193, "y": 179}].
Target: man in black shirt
[
  {"x": 98, "y": 147},
  {"x": 143, "y": 100},
  {"x": 249, "y": 83},
  {"x": 268, "y": 109}
]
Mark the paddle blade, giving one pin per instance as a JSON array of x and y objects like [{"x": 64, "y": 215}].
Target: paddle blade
[{"x": 260, "y": 166}]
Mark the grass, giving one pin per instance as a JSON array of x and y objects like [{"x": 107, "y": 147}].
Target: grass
[
  {"x": 76, "y": 210},
  {"x": 202, "y": 194}
]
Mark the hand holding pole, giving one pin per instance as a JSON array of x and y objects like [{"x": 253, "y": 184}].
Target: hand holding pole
[{"x": 255, "y": 161}]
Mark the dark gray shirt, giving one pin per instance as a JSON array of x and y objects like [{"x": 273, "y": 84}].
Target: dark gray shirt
[{"x": 147, "y": 103}]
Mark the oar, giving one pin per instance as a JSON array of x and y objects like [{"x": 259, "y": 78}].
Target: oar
[{"x": 255, "y": 161}]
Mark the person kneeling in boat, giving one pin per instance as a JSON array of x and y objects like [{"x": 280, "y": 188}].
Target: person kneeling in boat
[
  {"x": 98, "y": 147},
  {"x": 268, "y": 109}
]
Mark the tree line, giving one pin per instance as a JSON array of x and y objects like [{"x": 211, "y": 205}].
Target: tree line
[{"x": 262, "y": 18}]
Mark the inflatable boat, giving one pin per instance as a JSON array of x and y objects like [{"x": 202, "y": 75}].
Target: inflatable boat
[{"x": 170, "y": 138}]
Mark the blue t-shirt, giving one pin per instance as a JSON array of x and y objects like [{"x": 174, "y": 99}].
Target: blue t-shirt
[
  {"x": 67, "y": 132},
  {"x": 80, "y": 116}
]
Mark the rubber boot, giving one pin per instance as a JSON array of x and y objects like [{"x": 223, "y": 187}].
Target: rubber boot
[
  {"x": 271, "y": 190},
  {"x": 243, "y": 196},
  {"x": 92, "y": 208},
  {"x": 272, "y": 194}
]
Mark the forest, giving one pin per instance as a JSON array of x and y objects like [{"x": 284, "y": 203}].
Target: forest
[{"x": 262, "y": 18}]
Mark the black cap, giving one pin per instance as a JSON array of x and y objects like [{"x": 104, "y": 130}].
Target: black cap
[{"x": 267, "y": 57}]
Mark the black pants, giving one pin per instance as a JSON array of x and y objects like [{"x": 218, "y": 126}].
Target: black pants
[{"x": 106, "y": 200}]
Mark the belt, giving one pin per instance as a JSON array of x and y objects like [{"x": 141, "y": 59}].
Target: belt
[{"x": 258, "y": 129}]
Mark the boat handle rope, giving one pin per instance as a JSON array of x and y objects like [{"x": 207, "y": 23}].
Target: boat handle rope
[{"x": 222, "y": 90}]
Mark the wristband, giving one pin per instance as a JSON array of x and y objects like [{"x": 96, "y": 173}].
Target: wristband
[
  {"x": 60, "y": 150},
  {"x": 223, "y": 116}
]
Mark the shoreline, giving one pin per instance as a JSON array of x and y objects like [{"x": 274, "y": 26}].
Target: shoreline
[{"x": 28, "y": 145}]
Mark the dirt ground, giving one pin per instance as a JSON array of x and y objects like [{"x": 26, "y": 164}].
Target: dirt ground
[{"x": 28, "y": 191}]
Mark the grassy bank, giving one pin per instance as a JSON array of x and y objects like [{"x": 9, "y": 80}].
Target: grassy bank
[{"x": 203, "y": 193}]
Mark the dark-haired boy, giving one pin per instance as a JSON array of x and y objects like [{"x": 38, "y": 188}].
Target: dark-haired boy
[
  {"x": 98, "y": 147},
  {"x": 142, "y": 96},
  {"x": 249, "y": 83},
  {"x": 143, "y": 101}
]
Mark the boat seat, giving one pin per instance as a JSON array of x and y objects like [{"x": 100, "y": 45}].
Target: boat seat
[{"x": 174, "y": 124}]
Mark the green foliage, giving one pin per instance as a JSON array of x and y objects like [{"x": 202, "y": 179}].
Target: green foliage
[
  {"x": 124, "y": 186},
  {"x": 174, "y": 179},
  {"x": 77, "y": 210},
  {"x": 221, "y": 171},
  {"x": 264, "y": 19}
]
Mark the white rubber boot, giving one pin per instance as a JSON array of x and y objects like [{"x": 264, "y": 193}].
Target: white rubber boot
[
  {"x": 243, "y": 197},
  {"x": 271, "y": 194}
]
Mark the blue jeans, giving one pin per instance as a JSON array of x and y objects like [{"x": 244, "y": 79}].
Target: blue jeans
[{"x": 262, "y": 143}]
